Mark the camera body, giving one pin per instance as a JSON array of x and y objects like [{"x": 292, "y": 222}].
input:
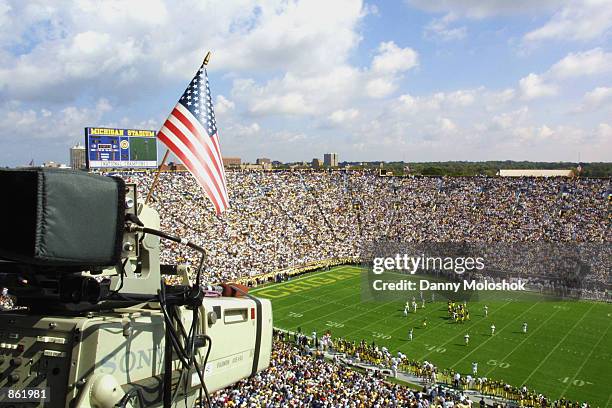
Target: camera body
[
  {"x": 99, "y": 335},
  {"x": 93, "y": 360}
]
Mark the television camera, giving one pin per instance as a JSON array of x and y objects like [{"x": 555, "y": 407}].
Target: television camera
[{"x": 94, "y": 323}]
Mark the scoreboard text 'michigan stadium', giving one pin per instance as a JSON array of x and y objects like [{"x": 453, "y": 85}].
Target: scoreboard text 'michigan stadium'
[{"x": 120, "y": 148}]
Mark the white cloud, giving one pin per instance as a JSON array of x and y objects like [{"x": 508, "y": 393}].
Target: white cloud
[
  {"x": 578, "y": 64},
  {"x": 502, "y": 97},
  {"x": 386, "y": 69},
  {"x": 488, "y": 8},
  {"x": 604, "y": 133},
  {"x": 591, "y": 62},
  {"x": 440, "y": 29},
  {"x": 223, "y": 105},
  {"x": 447, "y": 125},
  {"x": 341, "y": 116},
  {"x": 534, "y": 86},
  {"x": 578, "y": 20},
  {"x": 291, "y": 103},
  {"x": 103, "y": 106},
  {"x": 456, "y": 100},
  {"x": 132, "y": 51},
  {"x": 508, "y": 120},
  {"x": 380, "y": 87},
  {"x": 239, "y": 130},
  {"x": 406, "y": 102},
  {"x": 4, "y": 13},
  {"x": 297, "y": 94},
  {"x": 296, "y": 34},
  {"x": 119, "y": 11},
  {"x": 595, "y": 99},
  {"x": 45, "y": 134},
  {"x": 392, "y": 59},
  {"x": 323, "y": 92},
  {"x": 461, "y": 97}
]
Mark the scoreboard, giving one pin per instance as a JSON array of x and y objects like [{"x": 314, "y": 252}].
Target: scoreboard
[{"x": 120, "y": 148}]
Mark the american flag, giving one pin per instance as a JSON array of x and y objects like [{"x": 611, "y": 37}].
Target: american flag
[{"x": 190, "y": 132}]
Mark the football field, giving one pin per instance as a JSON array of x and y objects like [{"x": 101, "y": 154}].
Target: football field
[{"x": 567, "y": 350}]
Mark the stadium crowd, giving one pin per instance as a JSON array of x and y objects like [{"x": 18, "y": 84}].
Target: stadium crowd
[
  {"x": 299, "y": 376},
  {"x": 285, "y": 219}
]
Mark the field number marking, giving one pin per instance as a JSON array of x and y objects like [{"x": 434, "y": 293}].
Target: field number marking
[
  {"x": 575, "y": 383},
  {"x": 499, "y": 364},
  {"x": 333, "y": 324},
  {"x": 383, "y": 336},
  {"x": 296, "y": 315},
  {"x": 437, "y": 349}
]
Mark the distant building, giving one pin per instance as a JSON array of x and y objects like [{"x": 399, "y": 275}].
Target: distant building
[
  {"x": 54, "y": 165},
  {"x": 256, "y": 167},
  {"x": 315, "y": 163},
  {"x": 535, "y": 173},
  {"x": 330, "y": 159},
  {"x": 77, "y": 157},
  {"x": 232, "y": 161},
  {"x": 264, "y": 162}
]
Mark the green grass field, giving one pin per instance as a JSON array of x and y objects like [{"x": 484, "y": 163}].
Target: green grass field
[{"x": 567, "y": 350}]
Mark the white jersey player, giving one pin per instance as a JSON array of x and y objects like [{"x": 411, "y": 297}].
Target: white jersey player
[
  {"x": 525, "y": 327},
  {"x": 410, "y": 333},
  {"x": 492, "y": 329},
  {"x": 405, "y": 311},
  {"x": 474, "y": 369},
  {"x": 486, "y": 310},
  {"x": 414, "y": 306},
  {"x": 467, "y": 339}
]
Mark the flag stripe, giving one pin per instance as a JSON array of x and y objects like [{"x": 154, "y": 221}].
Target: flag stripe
[
  {"x": 203, "y": 175},
  {"x": 201, "y": 136},
  {"x": 195, "y": 146},
  {"x": 190, "y": 165},
  {"x": 215, "y": 140},
  {"x": 209, "y": 141}
]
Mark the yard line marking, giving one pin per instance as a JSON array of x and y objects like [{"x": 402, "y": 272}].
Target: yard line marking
[
  {"x": 557, "y": 345},
  {"x": 585, "y": 361},
  {"x": 522, "y": 341},
  {"x": 487, "y": 340}
]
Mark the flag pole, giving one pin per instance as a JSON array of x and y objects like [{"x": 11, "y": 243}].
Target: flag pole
[{"x": 156, "y": 179}]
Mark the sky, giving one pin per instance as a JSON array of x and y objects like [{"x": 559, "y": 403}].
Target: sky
[{"x": 412, "y": 80}]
